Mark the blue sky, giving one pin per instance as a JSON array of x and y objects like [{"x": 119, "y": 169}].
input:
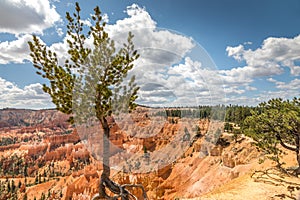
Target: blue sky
[{"x": 255, "y": 46}]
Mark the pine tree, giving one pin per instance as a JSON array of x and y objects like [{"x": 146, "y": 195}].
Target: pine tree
[
  {"x": 276, "y": 123},
  {"x": 97, "y": 73},
  {"x": 43, "y": 197},
  {"x": 26, "y": 170},
  {"x": 8, "y": 187}
]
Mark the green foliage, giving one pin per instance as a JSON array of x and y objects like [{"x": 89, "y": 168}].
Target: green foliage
[
  {"x": 91, "y": 84},
  {"x": 43, "y": 197},
  {"x": 228, "y": 127},
  {"x": 201, "y": 112},
  {"x": 145, "y": 149},
  {"x": 13, "y": 186},
  {"x": 232, "y": 113},
  {"x": 8, "y": 186},
  {"x": 91, "y": 80},
  {"x": 36, "y": 180},
  {"x": 6, "y": 141},
  {"x": 197, "y": 131},
  {"x": 237, "y": 114},
  {"x": 275, "y": 123}
]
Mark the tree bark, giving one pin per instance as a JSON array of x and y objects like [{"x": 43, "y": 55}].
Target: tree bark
[
  {"x": 105, "y": 182},
  {"x": 298, "y": 160},
  {"x": 105, "y": 155},
  {"x": 298, "y": 154}
]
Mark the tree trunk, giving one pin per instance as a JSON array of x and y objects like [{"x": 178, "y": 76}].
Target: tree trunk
[
  {"x": 106, "y": 154},
  {"x": 105, "y": 181},
  {"x": 298, "y": 153},
  {"x": 298, "y": 159}
]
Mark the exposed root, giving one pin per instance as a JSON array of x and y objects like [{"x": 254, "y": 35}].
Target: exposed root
[
  {"x": 278, "y": 177},
  {"x": 119, "y": 191}
]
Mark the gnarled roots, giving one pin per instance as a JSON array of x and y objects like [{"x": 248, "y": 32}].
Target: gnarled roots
[{"x": 119, "y": 191}]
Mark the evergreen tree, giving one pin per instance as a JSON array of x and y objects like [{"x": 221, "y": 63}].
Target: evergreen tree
[
  {"x": 276, "y": 123},
  {"x": 96, "y": 72},
  {"x": 43, "y": 197},
  {"x": 26, "y": 170},
  {"x": 8, "y": 187},
  {"x": 36, "y": 181}
]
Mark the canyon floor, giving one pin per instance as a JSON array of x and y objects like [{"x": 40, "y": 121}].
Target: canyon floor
[{"x": 42, "y": 156}]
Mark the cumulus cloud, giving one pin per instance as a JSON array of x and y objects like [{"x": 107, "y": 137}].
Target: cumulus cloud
[
  {"x": 290, "y": 86},
  {"x": 16, "y": 51},
  {"x": 159, "y": 49},
  {"x": 27, "y": 16},
  {"x": 31, "y": 96},
  {"x": 166, "y": 71},
  {"x": 270, "y": 58},
  {"x": 284, "y": 94},
  {"x": 154, "y": 45},
  {"x": 184, "y": 84},
  {"x": 59, "y": 32}
]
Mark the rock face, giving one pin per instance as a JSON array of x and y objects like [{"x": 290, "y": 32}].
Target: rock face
[
  {"x": 62, "y": 154},
  {"x": 9, "y": 147},
  {"x": 57, "y": 140},
  {"x": 23, "y": 117},
  {"x": 37, "y": 150},
  {"x": 229, "y": 160},
  {"x": 84, "y": 185}
]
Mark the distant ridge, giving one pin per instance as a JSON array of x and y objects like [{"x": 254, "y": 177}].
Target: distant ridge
[{"x": 12, "y": 117}]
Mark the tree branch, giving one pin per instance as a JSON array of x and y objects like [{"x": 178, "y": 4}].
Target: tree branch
[{"x": 285, "y": 145}]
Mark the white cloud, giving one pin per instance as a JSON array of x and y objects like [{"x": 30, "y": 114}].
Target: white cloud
[
  {"x": 23, "y": 17},
  {"x": 61, "y": 49},
  {"x": 184, "y": 84},
  {"x": 236, "y": 52},
  {"x": 155, "y": 45},
  {"x": 290, "y": 86},
  {"x": 27, "y": 16},
  {"x": 271, "y": 80},
  {"x": 244, "y": 100},
  {"x": 250, "y": 88},
  {"x": 16, "y": 51},
  {"x": 284, "y": 94},
  {"x": 293, "y": 85},
  {"x": 159, "y": 49},
  {"x": 59, "y": 32},
  {"x": 165, "y": 72},
  {"x": 86, "y": 22},
  {"x": 271, "y": 57},
  {"x": 31, "y": 96},
  {"x": 105, "y": 18}
]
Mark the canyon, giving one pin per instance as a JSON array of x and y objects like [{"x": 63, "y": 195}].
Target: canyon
[{"x": 172, "y": 157}]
